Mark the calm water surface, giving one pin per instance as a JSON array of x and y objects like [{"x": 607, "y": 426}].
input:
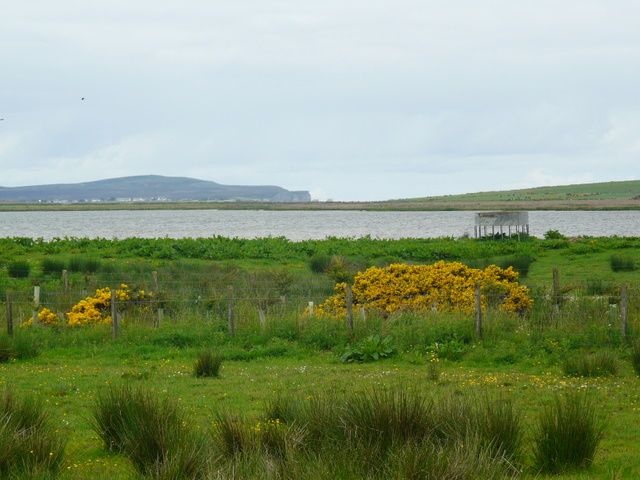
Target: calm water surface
[{"x": 295, "y": 225}]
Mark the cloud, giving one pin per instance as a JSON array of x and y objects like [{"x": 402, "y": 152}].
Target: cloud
[{"x": 354, "y": 100}]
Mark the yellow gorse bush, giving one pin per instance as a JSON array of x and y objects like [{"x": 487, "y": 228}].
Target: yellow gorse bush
[
  {"x": 47, "y": 317},
  {"x": 95, "y": 310},
  {"x": 443, "y": 287}
]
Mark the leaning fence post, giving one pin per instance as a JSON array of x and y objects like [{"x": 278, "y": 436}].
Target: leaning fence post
[
  {"x": 9, "y": 316},
  {"x": 115, "y": 325},
  {"x": 478, "y": 297},
  {"x": 230, "y": 313},
  {"x": 624, "y": 311},
  {"x": 349, "y": 302}
]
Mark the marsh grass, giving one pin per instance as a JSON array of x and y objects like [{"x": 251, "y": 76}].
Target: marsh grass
[
  {"x": 567, "y": 434},
  {"x": 151, "y": 431},
  {"x": 30, "y": 445},
  {"x": 232, "y": 434},
  {"x": 52, "y": 266},
  {"x": 622, "y": 263},
  {"x": 207, "y": 364},
  {"x": 17, "y": 347},
  {"x": 19, "y": 269},
  {"x": 599, "y": 364}
]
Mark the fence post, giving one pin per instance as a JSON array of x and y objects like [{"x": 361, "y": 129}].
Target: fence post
[
  {"x": 36, "y": 303},
  {"x": 363, "y": 314},
  {"x": 115, "y": 325},
  {"x": 478, "y": 296},
  {"x": 154, "y": 274},
  {"x": 65, "y": 280},
  {"x": 349, "y": 302},
  {"x": 9, "y": 316},
  {"x": 556, "y": 288},
  {"x": 311, "y": 306},
  {"x": 160, "y": 317},
  {"x": 230, "y": 313},
  {"x": 263, "y": 319},
  {"x": 624, "y": 311}
]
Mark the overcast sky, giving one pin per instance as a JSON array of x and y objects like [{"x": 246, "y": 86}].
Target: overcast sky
[{"x": 350, "y": 99}]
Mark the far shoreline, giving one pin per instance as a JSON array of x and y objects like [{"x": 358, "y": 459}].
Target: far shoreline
[{"x": 390, "y": 205}]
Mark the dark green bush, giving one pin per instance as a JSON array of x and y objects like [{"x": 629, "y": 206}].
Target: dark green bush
[
  {"x": 19, "y": 269},
  {"x": 207, "y": 365},
  {"x": 319, "y": 263},
  {"x": 622, "y": 263},
  {"x": 84, "y": 264},
  {"x": 553, "y": 235},
  {"x": 520, "y": 263},
  {"x": 52, "y": 266},
  {"x": 567, "y": 434}
]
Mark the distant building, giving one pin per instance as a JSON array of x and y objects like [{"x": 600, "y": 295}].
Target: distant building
[{"x": 502, "y": 223}]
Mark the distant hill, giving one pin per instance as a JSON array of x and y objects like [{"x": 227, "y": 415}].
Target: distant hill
[
  {"x": 148, "y": 188},
  {"x": 623, "y": 190}
]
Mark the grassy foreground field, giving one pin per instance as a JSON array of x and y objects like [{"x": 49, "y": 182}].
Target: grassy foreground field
[
  {"x": 68, "y": 378},
  {"x": 524, "y": 360}
]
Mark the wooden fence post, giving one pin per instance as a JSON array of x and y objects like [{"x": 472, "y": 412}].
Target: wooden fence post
[
  {"x": 9, "y": 316},
  {"x": 311, "y": 308},
  {"x": 36, "y": 303},
  {"x": 478, "y": 311},
  {"x": 262, "y": 317},
  {"x": 349, "y": 302},
  {"x": 65, "y": 280},
  {"x": 154, "y": 274},
  {"x": 230, "y": 313},
  {"x": 160, "y": 317},
  {"x": 363, "y": 314},
  {"x": 115, "y": 325},
  {"x": 624, "y": 312},
  {"x": 556, "y": 289}
]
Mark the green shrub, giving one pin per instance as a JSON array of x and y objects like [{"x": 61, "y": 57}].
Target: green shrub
[
  {"x": 553, "y": 235},
  {"x": 207, "y": 365},
  {"x": 599, "y": 364},
  {"x": 84, "y": 264},
  {"x": 52, "y": 266},
  {"x": 520, "y": 263},
  {"x": 370, "y": 349},
  {"x": 30, "y": 446},
  {"x": 319, "y": 263},
  {"x": 567, "y": 434},
  {"x": 151, "y": 431},
  {"x": 18, "y": 269},
  {"x": 622, "y": 263}
]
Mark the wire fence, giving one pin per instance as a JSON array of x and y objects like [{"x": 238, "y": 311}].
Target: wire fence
[{"x": 611, "y": 315}]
